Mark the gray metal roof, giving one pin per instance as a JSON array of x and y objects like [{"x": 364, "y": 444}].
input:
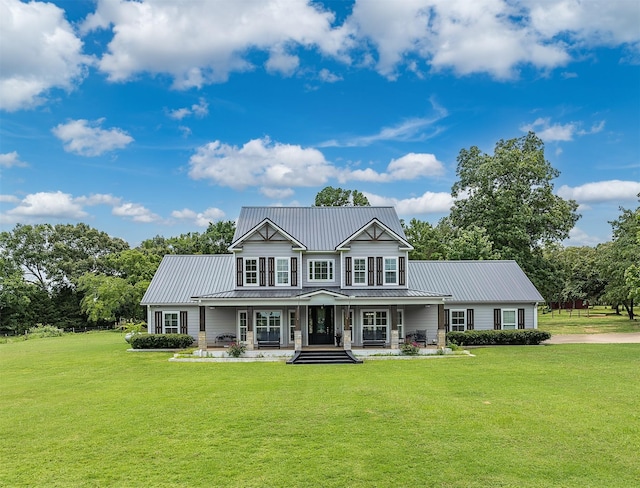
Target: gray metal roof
[
  {"x": 179, "y": 277},
  {"x": 474, "y": 281},
  {"x": 299, "y": 292},
  {"x": 318, "y": 228}
]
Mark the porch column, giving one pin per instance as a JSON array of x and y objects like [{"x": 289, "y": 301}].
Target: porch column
[
  {"x": 394, "y": 327},
  {"x": 249, "y": 328},
  {"x": 202, "y": 333},
  {"x": 346, "y": 332},
  {"x": 297, "y": 333},
  {"x": 442, "y": 333}
]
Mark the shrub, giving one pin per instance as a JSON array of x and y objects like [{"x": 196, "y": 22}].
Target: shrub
[
  {"x": 161, "y": 341},
  {"x": 236, "y": 349},
  {"x": 498, "y": 337},
  {"x": 409, "y": 348},
  {"x": 44, "y": 331}
]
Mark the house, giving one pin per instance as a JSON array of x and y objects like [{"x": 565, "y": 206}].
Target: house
[{"x": 299, "y": 277}]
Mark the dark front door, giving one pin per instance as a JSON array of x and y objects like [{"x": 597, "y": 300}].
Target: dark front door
[{"x": 321, "y": 325}]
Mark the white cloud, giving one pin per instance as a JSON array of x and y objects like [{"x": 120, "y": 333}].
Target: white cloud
[
  {"x": 99, "y": 199},
  {"x": 260, "y": 162},
  {"x": 88, "y": 139},
  {"x": 201, "y": 219},
  {"x": 549, "y": 132},
  {"x": 281, "y": 62},
  {"x": 578, "y": 237},
  {"x": 601, "y": 191},
  {"x": 427, "y": 203},
  {"x": 135, "y": 212},
  {"x": 328, "y": 77},
  {"x": 409, "y": 167},
  {"x": 200, "y": 110},
  {"x": 40, "y": 51},
  {"x": 9, "y": 198},
  {"x": 7, "y": 160},
  {"x": 277, "y": 193},
  {"x": 47, "y": 204},
  {"x": 200, "y": 42}
]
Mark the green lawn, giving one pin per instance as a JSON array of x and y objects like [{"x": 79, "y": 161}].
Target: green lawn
[
  {"x": 596, "y": 321},
  {"x": 81, "y": 411}
]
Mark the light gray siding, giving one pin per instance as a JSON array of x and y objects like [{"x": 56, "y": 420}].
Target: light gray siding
[
  {"x": 483, "y": 313},
  {"x": 337, "y": 271}
]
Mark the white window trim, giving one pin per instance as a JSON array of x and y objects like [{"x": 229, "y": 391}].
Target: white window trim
[
  {"x": 332, "y": 263},
  {"x": 239, "y": 326},
  {"x": 464, "y": 319},
  {"x": 292, "y": 326},
  {"x": 353, "y": 271},
  {"x": 288, "y": 261},
  {"x": 384, "y": 270},
  {"x": 400, "y": 319},
  {"x": 164, "y": 323},
  {"x": 255, "y": 323},
  {"x": 374, "y": 310},
  {"x": 515, "y": 318},
  {"x": 245, "y": 271}
]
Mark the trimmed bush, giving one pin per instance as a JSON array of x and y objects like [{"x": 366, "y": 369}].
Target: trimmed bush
[
  {"x": 498, "y": 337},
  {"x": 161, "y": 341}
]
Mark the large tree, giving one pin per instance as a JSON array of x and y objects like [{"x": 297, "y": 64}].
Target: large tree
[
  {"x": 510, "y": 195},
  {"x": 339, "y": 197}
]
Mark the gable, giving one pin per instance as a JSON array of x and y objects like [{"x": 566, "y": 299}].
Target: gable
[
  {"x": 266, "y": 232},
  {"x": 375, "y": 231}
]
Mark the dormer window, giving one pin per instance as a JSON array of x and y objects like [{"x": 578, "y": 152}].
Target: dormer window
[{"x": 321, "y": 270}]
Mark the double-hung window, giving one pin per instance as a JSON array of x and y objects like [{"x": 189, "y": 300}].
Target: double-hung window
[
  {"x": 390, "y": 271},
  {"x": 458, "y": 320},
  {"x": 321, "y": 270},
  {"x": 401, "y": 325},
  {"x": 374, "y": 325},
  {"x": 251, "y": 271},
  {"x": 282, "y": 271},
  {"x": 359, "y": 271},
  {"x": 508, "y": 319},
  {"x": 242, "y": 325},
  {"x": 170, "y": 323}
]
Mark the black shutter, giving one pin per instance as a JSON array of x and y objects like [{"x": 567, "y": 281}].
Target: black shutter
[
  {"x": 272, "y": 279},
  {"x": 294, "y": 271},
  {"x": 497, "y": 318},
  {"x": 347, "y": 271},
  {"x": 370, "y": 271},
  {"x": 469, "y": 319},
  {"x": 521, "y": 318},
  {"x": 203, "y": 326},
  {"x": 158, "y": 322},
  {"x": 263, "y": 274},
  {"x": 183, "y": 321},
  {"x": 239, "y": 272},
  {"x": 446, "y": 320},
  {"x": 402, "y": 280},
  {"x": 379, "y": 270}
]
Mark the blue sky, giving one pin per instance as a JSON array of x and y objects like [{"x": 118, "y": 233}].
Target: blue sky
[{"x": 156, "y": 117}]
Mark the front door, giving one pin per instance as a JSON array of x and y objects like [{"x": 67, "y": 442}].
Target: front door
[{"x": 321, "y": 325}]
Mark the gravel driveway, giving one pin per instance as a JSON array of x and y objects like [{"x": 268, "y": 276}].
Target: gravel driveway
[{"x": 612, "y": 338}]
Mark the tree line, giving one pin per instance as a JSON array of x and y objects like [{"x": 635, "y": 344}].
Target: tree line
[{"x": 504, "y": 208}]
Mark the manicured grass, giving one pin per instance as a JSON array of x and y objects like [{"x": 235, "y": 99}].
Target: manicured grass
[
  {"x": 598, "y": 320},
  {"x": 81, "y": 411}
]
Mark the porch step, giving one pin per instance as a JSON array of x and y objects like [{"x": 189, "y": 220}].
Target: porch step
[{"x": 339, "y": 356}]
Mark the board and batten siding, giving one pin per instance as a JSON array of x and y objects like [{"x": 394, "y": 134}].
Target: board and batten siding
[
  {"x": 419, "y": 317},
  {"x": 483, "y": 313},
  {"x": 220, "y": 320}
]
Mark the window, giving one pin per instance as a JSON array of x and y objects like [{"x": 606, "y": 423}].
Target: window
[
  {"x": 282, "y": 271},
  {"x": 268, "y": 325},
  {"x": 292, "y": 326},
  {"x": 242, "y": 325},
  {"x": 250, "y": 271},
  {"x": 458, "y": 320},
  {"x": 374, "y": 325},
  {"x": 508, "y": 319},
  {"x": 170, "y": 323},
  {"x": 359, "y": 271},
  {"x": 320, "y": 270},
  {"x": 390, "y": 271},
  {"x": 401, "y": 325}
]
